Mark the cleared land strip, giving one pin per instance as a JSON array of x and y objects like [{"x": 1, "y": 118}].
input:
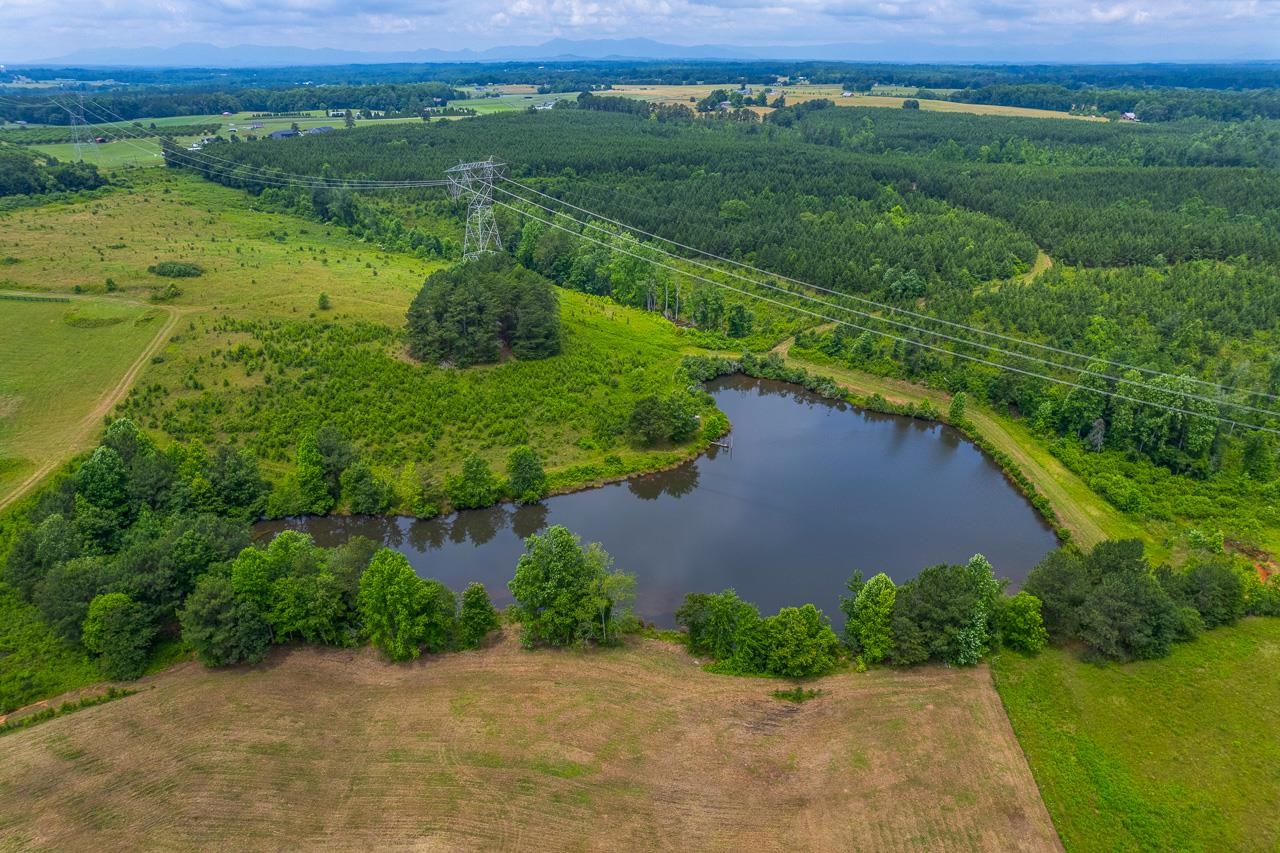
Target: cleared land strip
[{"x": 625, "y": 749}]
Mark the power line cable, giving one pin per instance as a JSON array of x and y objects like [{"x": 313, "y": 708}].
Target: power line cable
[
  {"x": 922, "y": 331},
  {"x": 997, "y": 365},
  {"x": 891, "y": 308}
]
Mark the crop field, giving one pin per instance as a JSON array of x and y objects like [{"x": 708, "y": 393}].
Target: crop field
[
  {"x": 65, "y": 365},
  {"x": 796, "y": 94},
  {"x": 625, "y": 749},
  {"x": 1174, "y": 754}
]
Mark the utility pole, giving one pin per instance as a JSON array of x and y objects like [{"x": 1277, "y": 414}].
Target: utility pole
[
  {"x": 77, "y": 119},
  {"x": 475, "y": 181}
]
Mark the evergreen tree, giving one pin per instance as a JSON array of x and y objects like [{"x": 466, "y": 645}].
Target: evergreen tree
[{"x": 314, "y": 491}]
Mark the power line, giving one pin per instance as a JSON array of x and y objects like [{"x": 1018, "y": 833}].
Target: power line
[
  {"x": 190, "y": 159},
  {"x": 921, "y": 331},
  {"x": 892, "y": 308},
  {"x": 277, "y": 178},
  {"x": 899, "y": 338}
]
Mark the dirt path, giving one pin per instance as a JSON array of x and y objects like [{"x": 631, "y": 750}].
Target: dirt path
[
  {"x": 785, "y": 346},
  {"x": 89, "y": 425},
  {"x": 504, "y": 749}
]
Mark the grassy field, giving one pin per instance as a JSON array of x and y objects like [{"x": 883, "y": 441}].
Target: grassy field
[
  {"x": 266, "y": 267},
  {"x": 796, "y": 94},
  {"x": 1176, "y": 754},
  {"x": 130, "y": 153},
  {"x": 624, "y": 749},
  {"x": 65, "y": 366}
]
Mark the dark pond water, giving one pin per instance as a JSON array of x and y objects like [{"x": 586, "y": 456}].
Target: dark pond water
[{"x": 810, "y": 491}]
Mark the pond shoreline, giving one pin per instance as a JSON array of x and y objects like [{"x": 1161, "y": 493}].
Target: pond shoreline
[{"x": 820, "y": 481}]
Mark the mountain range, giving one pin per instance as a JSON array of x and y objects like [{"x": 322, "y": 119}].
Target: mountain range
[{"x": 201, "y": 55}]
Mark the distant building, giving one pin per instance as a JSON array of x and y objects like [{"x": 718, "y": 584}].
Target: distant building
[
  {"x": 846, "y": 94},
  {"x": 324, "y": 129},
  {"x": 1128, "y": 117},
  {"x": 282, "y": 134}
]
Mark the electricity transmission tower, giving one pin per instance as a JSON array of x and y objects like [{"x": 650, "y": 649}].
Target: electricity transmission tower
[
  {"x": 77, "y": 121},
  {"x": 475, "y": 181}
]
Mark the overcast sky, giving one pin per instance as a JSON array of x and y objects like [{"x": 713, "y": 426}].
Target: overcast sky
[{"x": 1055, "y": 30}]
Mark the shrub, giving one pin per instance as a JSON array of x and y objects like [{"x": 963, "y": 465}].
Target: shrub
[
  {"x": 477, "y": 617},
  {"x": 223, "y": 628},
  {"x": 475, "y": 487},
  {"x": 176, "y": 269},
  {"x": 118, "y": 630},
  {"x": 722, "y": 626},
  {"x": 799, "y": 643},
  {"x": 1021, "y": 626}
]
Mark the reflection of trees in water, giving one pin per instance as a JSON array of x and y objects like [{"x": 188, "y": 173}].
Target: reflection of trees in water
[
  {"x": 528, "y": 520},
  {"x": 677, "y": 482},
  {"x": 682, "y": 480},
  {"x": 477, "y": 526},
  {"x": 428, "y": 534},
  {"x": 647, "y": 487}
]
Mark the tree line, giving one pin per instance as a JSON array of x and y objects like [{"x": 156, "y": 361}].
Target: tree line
[
  {"x": 408, "y": 98},
  {"x": 137, "y": 543},
  {"x": 25, "y": 172}
]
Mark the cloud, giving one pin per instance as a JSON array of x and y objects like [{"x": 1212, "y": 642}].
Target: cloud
[{"x": 991, "y": 29}]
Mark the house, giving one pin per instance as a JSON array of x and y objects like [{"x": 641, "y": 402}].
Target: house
[
  {"x": 282, "y": 134},
  {"x": 336, "y": 113},
  {"x": 846, "y": 94},
  {"x": 323, "y": 129},
  {"x": 100, "y": 139},
  {"x": 226, "y": 113},
  {"x": 1128, "y": 117}
]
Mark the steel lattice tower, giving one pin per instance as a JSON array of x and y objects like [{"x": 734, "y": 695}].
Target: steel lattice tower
[{"x": 475, "y": 181}]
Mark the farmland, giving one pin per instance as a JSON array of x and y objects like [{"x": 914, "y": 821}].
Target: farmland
[
  {"x": 890, "y": 97},
  {"x": 1175, "y": 754},
  {"x": 257, "y": 314},
  {"x": 496, "y": 748},
  {"x": 66, "y": 365}
]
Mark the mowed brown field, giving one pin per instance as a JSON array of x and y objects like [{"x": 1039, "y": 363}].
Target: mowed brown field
[
  {"x": 798, "y": 94},
  {"x": 506, "y": 749}
]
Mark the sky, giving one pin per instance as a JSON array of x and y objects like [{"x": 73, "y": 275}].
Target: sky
[{"x": 977, "y": 30}]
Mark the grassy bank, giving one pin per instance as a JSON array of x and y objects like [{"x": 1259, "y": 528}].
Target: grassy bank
[{"x": 1175, "y": 754}]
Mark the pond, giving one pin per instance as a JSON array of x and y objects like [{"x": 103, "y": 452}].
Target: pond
[{"x": 810, "y": 490}]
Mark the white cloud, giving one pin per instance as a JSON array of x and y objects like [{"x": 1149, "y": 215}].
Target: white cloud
[{"x": 992, "y": 29}]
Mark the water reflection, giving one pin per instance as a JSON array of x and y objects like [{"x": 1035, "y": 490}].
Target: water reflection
[{"x": 810, "y": 491}]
